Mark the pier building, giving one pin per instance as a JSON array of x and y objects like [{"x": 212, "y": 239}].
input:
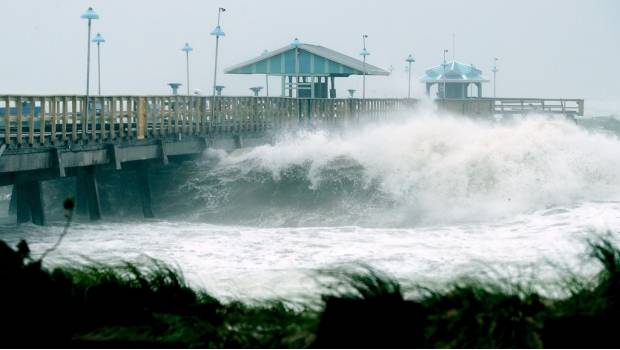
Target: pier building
[
  {"x": 306, "y": 70},
  {"x": 454, "y": 79}
]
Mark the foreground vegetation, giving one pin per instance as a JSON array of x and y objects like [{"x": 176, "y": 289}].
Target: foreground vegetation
[{"x": 127, "y": 306}]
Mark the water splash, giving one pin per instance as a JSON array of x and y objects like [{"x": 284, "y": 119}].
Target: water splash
[{"x": 427, "y": 168}]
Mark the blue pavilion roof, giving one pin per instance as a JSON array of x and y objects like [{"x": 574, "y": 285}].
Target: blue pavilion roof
[
  {"x": 454, "y": 71},
  {"x": 314, "y": 60}
]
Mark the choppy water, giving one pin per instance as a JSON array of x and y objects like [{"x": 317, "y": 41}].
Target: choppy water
[{"x": 427, "y": 198}]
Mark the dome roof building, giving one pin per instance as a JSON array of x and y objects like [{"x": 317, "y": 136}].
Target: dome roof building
[{"x": 453, "y": 80}]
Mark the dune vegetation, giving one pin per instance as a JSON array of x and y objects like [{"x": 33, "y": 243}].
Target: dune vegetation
[{"x": 153, "y": 306}]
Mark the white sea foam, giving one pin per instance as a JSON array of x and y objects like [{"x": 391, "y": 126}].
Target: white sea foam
[
  {"x": 449, "y": 168},
  {"x": 516, "y": 199}
]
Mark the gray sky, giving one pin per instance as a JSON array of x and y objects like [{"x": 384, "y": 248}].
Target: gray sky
[{"x": 564, "y": 48}]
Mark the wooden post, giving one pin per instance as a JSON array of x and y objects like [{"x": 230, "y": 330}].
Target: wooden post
[
  {"x": 65, "y": 104},
  {"x": 177, "y": 106},
  {"x": 84, "y": 121},
  {"x": 111, "y": 117},
  {"x": 54, "y": 112},
  {"x": 31, "y": 122},
  {"x": 7, "y": 120},
  {"x": 93, "y": 120},
  {"x": 74, "y": 118},
  {"x": 141, "y": 123},
  {"x": 103, "y": 118},
  {"x": 19, "y": 107},
  {"x": 42, "y": 121}
]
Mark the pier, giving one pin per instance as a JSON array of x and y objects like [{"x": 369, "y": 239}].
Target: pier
[{"x": 48, "y": 137}]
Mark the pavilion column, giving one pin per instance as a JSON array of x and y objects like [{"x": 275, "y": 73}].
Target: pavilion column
[
  {"x": 290, "y": 86},
  {"x": 332, "y": 91},
  {"x": 479, "y": 86},
  {"x": 283, "y": 86},
  {"x": 428, "y": 89}
]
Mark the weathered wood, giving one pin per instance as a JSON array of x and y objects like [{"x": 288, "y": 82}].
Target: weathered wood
[
  {"x": 74, "y": 103},
  {"x": 141, "y": 124},
  {"x": 65, "y": 105},
  {"x": 7, "y": 120},
  {"x": 154, "y": 117},
  {"x": 53, "y": 112}
]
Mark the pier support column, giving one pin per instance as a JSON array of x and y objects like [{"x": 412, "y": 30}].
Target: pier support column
[
  {"x": 144, "y": 187},
  {"x": 238, "y": 140},
  {"x": 13, "y": 202},
  {"x": 29, "y": 202},
  {"x": 87, "y": 194}
]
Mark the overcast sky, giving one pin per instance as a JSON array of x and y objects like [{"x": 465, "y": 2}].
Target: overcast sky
[{"x": 564, "y": 48}]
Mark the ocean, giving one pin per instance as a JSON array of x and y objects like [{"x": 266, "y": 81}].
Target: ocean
[{"x": 429, "y": 199}]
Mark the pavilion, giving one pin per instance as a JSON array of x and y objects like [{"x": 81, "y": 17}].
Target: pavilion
[
  {"x": 453, "y": 80},
  {"x": 306, "y": 70}
]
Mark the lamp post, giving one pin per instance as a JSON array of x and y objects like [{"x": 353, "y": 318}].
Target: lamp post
[
  {"x": 409, "y": 60},
  {"x": 364, "y": 53},
  {"x": 296, "y": 43},
  {"x": 443, "y": 77},
  {"x": 495, "y": 70},
  {"x": 187, "y": 49},
  {"x": 90, "y": 14},
  {"x": 265, "y": 53},
  {"x": 217, "y": 32},
  {"x": 99, "y": 40}
]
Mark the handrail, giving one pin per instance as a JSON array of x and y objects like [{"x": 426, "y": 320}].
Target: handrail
[{"x": 57, "y": 119}]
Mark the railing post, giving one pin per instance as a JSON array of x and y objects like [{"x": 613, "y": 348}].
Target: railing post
[
  {"x": 7, "y": 120},
  {"x": 93, "y": 120},
  {"x": 74, "y": 118},
  {"x": 65, "y": 102},
  {"x": 31, "y": 122},
  {"x": 112, "y": 121},
  {"x": 42, "y": 121},
  {"x": 54, "y": 113},
  {"x": 84, "y": 122},
  {"x": 141, "y": 123}
]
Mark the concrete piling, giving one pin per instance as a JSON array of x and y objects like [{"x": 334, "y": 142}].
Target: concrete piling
[
  {"x": 87, "y": 193},
  {"x": 144, "y": 187},
  {"x": 29, "y": 202}
]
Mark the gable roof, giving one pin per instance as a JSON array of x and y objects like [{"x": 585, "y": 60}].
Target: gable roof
[
  {"x": 454, "y": 72},
  {"x": 313, "y": 60}
]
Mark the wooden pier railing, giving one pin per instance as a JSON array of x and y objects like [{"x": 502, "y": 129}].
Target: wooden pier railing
[
  {"x": 507, "y": 106},
  {"x": 36, "y": 120},
  {"x": 40, "y": 120}
]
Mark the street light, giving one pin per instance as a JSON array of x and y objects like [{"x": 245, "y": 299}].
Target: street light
[
  {"x": 187, "y": 49},
  {"x": 217, "y": 32},
  {"x": 443, "y": 77},
  {"x": 265, "y": 53},
  {"x": 296, "y": 43},
  {"x": 495, "y": 70},
  {"x": 90, "y": 14},
  {"x": 409, "y": 60},
  {"x": 364, "y": 53},
  {"x": 98, "y": 40}
]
